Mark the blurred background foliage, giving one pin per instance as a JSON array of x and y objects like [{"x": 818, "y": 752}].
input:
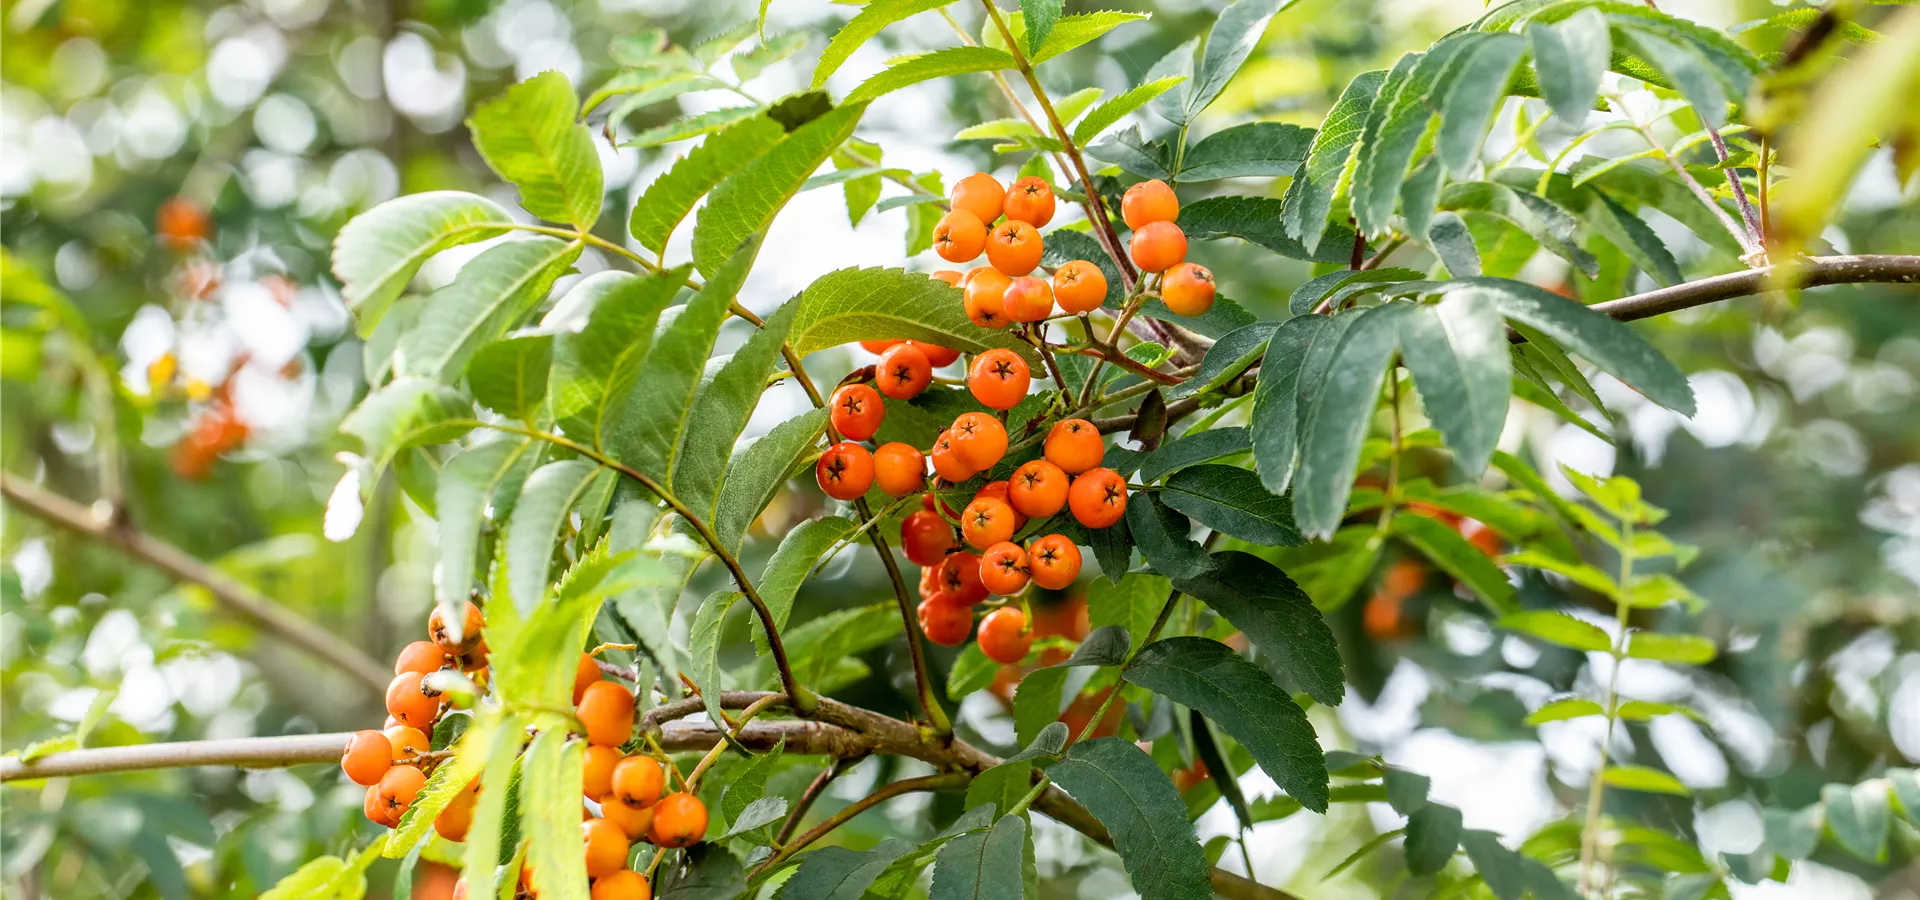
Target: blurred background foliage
[{"x": 171, "y": 174}]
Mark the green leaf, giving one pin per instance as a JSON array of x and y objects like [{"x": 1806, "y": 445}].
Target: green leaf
[
  {"x": 982, "y": 865},
  {"x": 971, "y": 672},
  {"x": 1277, "y": 399},
  {"x": 1327, "y": 171},
  {"x": 500, "y": 770},
  {"x": 1906, "y": 792},
  {"x": 1794, "y": 834},
  {"x": 1132, "y": 603},
  {"x": 1642, "y": 710},
  {"x": 863, "y": 27},
  {"x": 1205, "y": 675},
  {"x": 1257, "y": 220},
  {"x": 1226, "y": 359},
  {"x": 1194, "y": 448},
  {"x": 1502, "y": 870},
  {"x": 1106, "y": 114},
  {"x": 748, "y": 66},
  {"x": 1037, "y": 702},
  {"x": 529, "y": 136},
  {"x": 1688, "y": 649},
  {"x": 850, "y": 305},
  {"x": 911, "y": 70},
  {"x": 1003, "y": 786},
  {"x": 1291, "y": 636},
  {"x": 703, "y": 647},
  {"x": 1459, "y": 558},
  {"x": 1459, "y": 355},
  {"x": 1689, "y": 70},
  {"x": 836, "y": 873},
  {"x": 1252, "y": 150},
  {"x": 1341, "y": 408},
  {"x": 647, "y": 432},
  {"x": 1135, "y": 154},
  {"x": 720, "y": 414},
  {"x": 550, "y": 812},
  {"x": 377, "y": 252},
  {"x": 1162, "y": 537},
  {"x": 747, "y": 785},
  {"x": 1075, "y": 31},
  {"x": 1395, "y": 129},
  {"x": 1608, "y": 344},
  {"x": 468, "y": 484},
  {"x": 1433, "y": 831},
  {"x": 491, "y": 295},
  {"x": 791, "y": 564},
  {"x": 594, "y": 369},
  {"x": 1570, "y": 56},
  {"x": 748, "y": 200},
  {"x": 1039, "y": 17},
  {"x": 1104, "y": 646},
  {"x": 1128, "y": 793},
  {"x": 510, "y": 376},
  {"x": 1450, "y": 240},
  {"x": 1068, "y": 108},
  {"x": 550, "y": 494},
  {"x": 639, "y": 89},
  {"x": 1634, "y": 237},
  {"x": 758, "y": 814},
  {"x": 673, "y": 195},
  {"x": 822, "y": 642},
  {"x": 691, "y": 126},
  {"x": 1563, "y": 709},
  {"x": 1558, "y": 628},
  {"x": 1232, "y": 38},
  {"x": 1641, "y": 778},
  {"x": 1538, "y": 217},
  {"x": 408, "y": 412},
  {"x": 707, "y": 871},
  {"x": 758, "y": 472},
  {"x": 1478, "y": 85},
  {"x": 1232, "y": 500}
]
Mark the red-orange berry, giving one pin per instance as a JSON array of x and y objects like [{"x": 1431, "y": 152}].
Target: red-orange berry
[
  {"x": 899, "y": 469},
  {"x": 1030, "y": 200},
  {"x": 471, "y": 621},
  {"x": 1003, "y": 570},
  {"x": 946, "y": 624},
  {"x": 1004, "y": 635},
  {"x": 980, "y": 194},
  {"x": 1149, "y": 202},
  {"x": 606, "y": 847},
  {"x": 407, "y": 742},
  {"x": 1054, "y": 562},
  {"x": 1003, "y": 492},
  {"x": 960, "y": 581},
  {"x": 857, "y": 412},
  {"x": 876, "y": 347},
  {"x": 585, "y": 673},
  {"x": 1074, "y": 445},
  {"x": 959, "y": 236},
  {"x": 607, "y": 711},
  {"x": 633, "y": 821},
  {"x": 950, "y": 276},
  {"x": 679, "y": 820},
  {"x": 1098, "y": 497},
  {"x": 979, "y": 440},
  {"x": 1038, "y": 489},
  {"x": 1187, "y": 289},
  {"x": 456, "y": 818},
  {"x": 903, "y": 372},
  {"x": 625, "y": 884},
  {"x": 999, "y": 378},
  {"x": 938, "y": 356},
  {"x": 639, "y": 781},
  {"x": 1079, "y": 286},
  {"x": 947, "y": 462},
  {"x": 1028, "y": 299},
  {"x": 182, "y": 223},
  {"x": 1014, "y": 247},
  {"x": 986, "y": 522},
  {"x": 367, "y": 756},
  {"x": 986, "y": 297},
  {"x": 926, "y": 538},
  {"x": 1158, "y": 246},
  {"x": 398, "y": 788},
  {"x": 845, "y": 471},
  {"x": 376, "y": 809},
  {"x": 408, "y": 705},
  {"x": 597, "y": 771},
  {"x": 421, "y": 657}
]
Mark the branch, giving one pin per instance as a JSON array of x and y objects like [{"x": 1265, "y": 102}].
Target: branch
[
  {"x": 1813, "y": 271},
  {"x": 248, "y": 753},
  {"x": 248, "y": 603}
]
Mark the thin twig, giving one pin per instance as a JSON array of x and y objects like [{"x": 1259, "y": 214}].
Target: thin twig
[{"x": 943, "y": 782}]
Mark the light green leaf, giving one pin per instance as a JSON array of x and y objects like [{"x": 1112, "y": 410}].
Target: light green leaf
[
  {"x": 1252, "y": 150},
  {"x": 758, "y": 814},
  {"x": 820, "y": 644},
  {"x": 499, "y": 772},
  {"x": 1290, "y": 635},
  {"x": 1075, "y": 31},
  {"x": 1540, "y": 218},
  {"x": 748, "y": 66},
  {"x": 1570, "y": 56},
  {"x": 720, "y": 413},
  {"x": 911, "y": 70},
  {"x": 550, "y": 778},
  {"x": 1131, "y": 603},
  {"x": 871, "y": 19},
  {"x": 594, "y": 368},
  {"x": 1038, "y": 701},
  {"x": 747, "y": 201},
  {"x": 1069, "y": 108},
  {"x": 747, "y": 785},
  {"x": 1563, "y": 709},
  {"x": 1558, "y": 628},
  {"x": 800, "y": 551},
  {"x": 673, "y": 195},
  {"x": 1578, "y": 572},
  {"x": 1794, "y": 834},
  {"x": 510, "y": 376},
  {"x": 1341, "y": 408},
  {"x": 1127, "y": 792},
  {"x": 971, "y": 671},
  {"x": 703, "y": 647},
  {"x": 691, "y": 126},
  {"x": 1641, "y": 778},
  {"x": 550, "y": 494},
  {"x": 377, "y": 252},
  {"x": 1459, "y": 355},
  {"x": 408, "y": 412},
  {"x": 1229, "y": 42},
  {"x": 1459, "y": 558},
  {"x": 758, "y": 472},
  {"x": 1689, "y": 649},
  {"x": 530, "y": 137},
  {"x": 1106, "y": 114},
  {"x": 468, "y": 483},
  {"x": 1857, "y": 816},
  {"x": 639, "y": 89},
  {"x": 492, "y": 294},
  {"x": 1327, "y": 171},
  {"x": 850, "y": 305}
]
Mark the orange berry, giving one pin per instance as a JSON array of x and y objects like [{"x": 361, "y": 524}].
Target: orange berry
[
  {"x": 421, "y": 657},
  {"x": 939, "y": 356},
  {"x": 1030, "y": 200},
  {"x": 607, "y": 711},
  {"x": 597, "y": 778},
  {"x": 1027, "y": 299},
  {"x": 679, "y": 820},
  {"x": 929, "y": 582},
  {"x": 471, "y": 621},
  {"x": 182, "y": 223},
  {"x": 1098, "y": 497},
  {"x": 950, "y": 276},
  {"x": 999, "y": 378},
  {"x": 1003, "y": 570},
  {"x": 1384, "y": 618},
  {"x": 1003, "y": 492},
  {"x": 1478, "y": 534},
  {"x": 398, "y": 788},
  {"x": 1054, "y": 562},
  {"x": 367, "y": 756},
  {"x": 638, "y": 781},
  {"x": 980, "y": 194},
  {"x": 585, "y": 673},
  {"x": 1038, "y": 489},
  {"x": 606, "y": 847},
  {"x": 899, "y": 469},
  {"x": 903, "y": 372},
  {"x": 946, "y": 624},
  {"x": 857, "y": 412},
  {"x": 1014, "y": 248},
  {"x": 376, "y": 809},
  {"x": 1079, "y": 286},
  {"x": 456, "y": 817},
  {"x": 876, "y": 347},
  {"x": 986, "y": 297},
  {"x": 1403, "y": 578},
  {"x": 845, "y": 471},
  {"x": 1158, "y": 246},
  {"x": 959, "y": 580},
  {"x": 1187, "y": 289},
  {"x": 947, "y": 462},
  {"x": 986, "y": 522},
  {"x": 1149, "y": 202},
  {"x": 926, "y": 538},
  {"x": 407, "y": 742},
  {"x": 1004, "y": 635},
  {"x": 979, "y": 440},
  {"x": 633, "y": 821},
  {"x": 1074, "y": 445},
  {"x": 625, "y": 884},
  {"x": 959, "y": 236},
  {"x": 407, "y": 704}
]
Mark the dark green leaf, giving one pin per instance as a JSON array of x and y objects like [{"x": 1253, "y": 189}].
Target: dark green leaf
[
  {"x": 1112, "y": 548},
  {"x": 758, "y": 814},
  {"x": 1478, "y": 85},
  {"x": 1162, "y": 536},
  {"x": 704, "y": 872},
  {"x": 836, "y": 873},
  {"x": 550, "y": 778},
  {"x": 1226, "y": 359},
  {"x": 1258, "y": 220},
  {"x": 1336, "y": 422},
  {"x": 703, "y": 647},
  {"x": 1450, "y": 240},
  {"x": 1538, "y": 217},
  {"x": 850, "y": 305},
  {"x": 1232, "y": 500},
  {"x": 1433, "y": 831},
  {"x": 1037, "y": 702},
  {"x": 1500, "y": 868},
  {"x": 510, "y": 376},
  {"x": 530, "y": 137},
  {"x": 1326, "y": 173},
  {"x": 799, "y": 552},
  {"x": 1570, "y": 56},
  {"x": 1634, "y": 237},
  {"x": 1689, "y": 69},
  {"x": 1133, "y": 603},
  {"x": 1261, "y": 601},
  {"x": 1399, "y": 121},
  {"x": 1277, "y": 399},
  {"x": 1128, "y": 793},
  {"x": 1104, "y": 646},
  {"x": 746, "y": 786},
  {"x": 1459, "y": 355},
  {"x": 1192, "y": 448},
  {"x": 1252, "y": 150},
  {"x": 725, "y": 403},
  {"x": 1608, "y": 344},
  {"x": 982, "y": 865},
  {"x": 1133, "y": 153},
  {"x": 1003, "y": 786},
  {"x": 757, "y": 473},
  {"x": 594, "y": 368},
  {"x": 1406, "y": 790},
  {"x": 1049, "y": 742}
]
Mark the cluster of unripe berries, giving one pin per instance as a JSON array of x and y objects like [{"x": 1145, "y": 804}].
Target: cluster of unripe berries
[
  {"x": 630, "y": 790},
  {"x": 1005, "y": 291}
]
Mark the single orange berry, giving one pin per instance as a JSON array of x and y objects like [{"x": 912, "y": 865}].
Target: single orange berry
[
  {"x": 456, "y": 818},
  {"x": 903, "y": 372},
  {"x": 407, "y": 742},
  {"x": 471, "y": 621},
  {"x": 959, "y": 236},
  {"x": 960, "y": 582},
  {"x": 929, "y": 582},
  {"x": 926, "y": 538},
  {"x": 939, "y": 356},
  {"x": 857, "y": 412},
  {"x": 946, "y": 624},
  {"x": 1158, "y": 246},
  {"x": 979, "y": 439},
  {"x": 1149, "y": 202},
  {"x": 606, "y": 847},
  {"x": 421, "y": 657},
  {"x": 1038, "y": 489},
  {"x": 1030, "y": 200},
  {"x": 1187, "y": 289},
  {"x": 367, "y": 756},
  {"x": 597, "y": 772},
  {"x": 607, "y": 711},
  {"x": 950, "y": 276},
  {"x": 947, "y": 462},
  {"x": 986, "y": 522},
  {"x": 1385, "y": 617},
  {"x": 1014, "y": 247},
  {"x": 899, "y": 469},
  {"x": 398, "y": 788},
  {"x": 1098, "y": 497},
  {"x": 182, "y": 223},
  {"x": 633, "y": 821},
  {"x": 376, "y": 808},
  {"x": 876, "y": 347},
  {"x": 1004, "y": 635},
  {"x": 1003, "y": 570},
  {"x": 625, "y": 884},
  {"x": 1003, "y": 492},
  {"x": 845, "y": 471},
  {"x": 980, "y": 194},
  {"x": 999, "y": 378},
  {"x": 1028, "y": 299},
  {"x": 1079, "y": 286},
  {"x": 407, "y": 704},
  {"x": 986, "y": 297},
  {"x": 585, "y": 673},
  {"x": 1054, "y": 562},
  {"x": 1074, "y": 445},
  {"x": 639, "y": 781},
  {"x": 679, "y": 820}
]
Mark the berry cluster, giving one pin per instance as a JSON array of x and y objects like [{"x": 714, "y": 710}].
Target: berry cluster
[{"x": 442, "y": 673}]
